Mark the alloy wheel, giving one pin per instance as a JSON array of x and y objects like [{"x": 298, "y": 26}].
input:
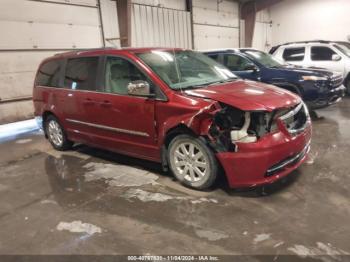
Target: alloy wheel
[
  {"x": 55, "y": 133},
  {"x": 190, "y": 162}
]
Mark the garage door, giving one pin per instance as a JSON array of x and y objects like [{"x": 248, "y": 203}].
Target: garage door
[
  {"x": 215, "y": 24},
  {"x": 160, "y": 26},
  {"x": 32, "y": 30}
]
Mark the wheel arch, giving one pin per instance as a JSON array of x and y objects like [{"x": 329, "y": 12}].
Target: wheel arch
[
  {"x": 45, "y": 115},
  {"x": 290, "y": 87}
]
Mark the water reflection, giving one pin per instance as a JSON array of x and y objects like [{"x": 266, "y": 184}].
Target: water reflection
[{"x": 66, "y": 178}]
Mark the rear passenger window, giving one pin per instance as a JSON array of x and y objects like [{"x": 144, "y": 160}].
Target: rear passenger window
[
  {"x": 49, "y": 74},
  {"x": 294, "y": 54},
  {"x": 321, "y": 53},
  {"x": 81, "y": 73}
]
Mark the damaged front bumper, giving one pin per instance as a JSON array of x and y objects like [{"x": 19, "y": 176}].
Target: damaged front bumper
[
  {"x": 331, "y": 97},
  {"x": 266, "y": 160}
]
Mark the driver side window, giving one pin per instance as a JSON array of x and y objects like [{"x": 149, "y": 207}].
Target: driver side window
[
  {"x": 236, "y": 62},
  {"x": 119, "y": 74}
]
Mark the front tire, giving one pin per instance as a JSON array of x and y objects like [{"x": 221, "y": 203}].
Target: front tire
[
  {"x": 192, "y": 162},
  {"x": 56, "y": 134}
]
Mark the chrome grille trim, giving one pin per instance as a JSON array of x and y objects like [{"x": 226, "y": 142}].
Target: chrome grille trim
[
  {"x": 291, "y": 114},
  {"x": 289, "y": 161}
]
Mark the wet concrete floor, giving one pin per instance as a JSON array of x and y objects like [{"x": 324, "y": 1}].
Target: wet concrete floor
[{"x": 89, "y": 201}]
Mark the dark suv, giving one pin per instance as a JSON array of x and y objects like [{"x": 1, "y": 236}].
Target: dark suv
[{"x": 318, "y": 87}]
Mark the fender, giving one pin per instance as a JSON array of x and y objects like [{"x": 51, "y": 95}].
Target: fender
[
  {"x": 290, "y": 87},
  {"x": 198, "y": 121}
]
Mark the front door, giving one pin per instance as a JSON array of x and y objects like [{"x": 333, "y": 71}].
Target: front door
[{"x": 121, "y": 122}]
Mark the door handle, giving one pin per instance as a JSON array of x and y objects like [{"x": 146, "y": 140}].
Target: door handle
[
  {"x": 106, "y": 104},
  {"x": 88, "y": 101}
]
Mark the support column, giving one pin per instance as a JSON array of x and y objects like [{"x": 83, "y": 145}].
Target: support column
[{"x": 124, "y": 21}]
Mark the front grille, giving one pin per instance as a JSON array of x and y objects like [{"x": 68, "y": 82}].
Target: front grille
[
  {"x": 336, "y": 80},
  {"x": 290, "y": 161},
  {"x": 296, "y": 119}
]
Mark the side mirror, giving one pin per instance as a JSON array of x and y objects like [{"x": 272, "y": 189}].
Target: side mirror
[
  {"x": 336, "y": 57},
  {"x": 251, "y": 67},
  {"x": 139, "y": 88}
]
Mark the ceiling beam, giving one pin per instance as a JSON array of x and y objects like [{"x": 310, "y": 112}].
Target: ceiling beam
[{"x": 256, "y": 6}]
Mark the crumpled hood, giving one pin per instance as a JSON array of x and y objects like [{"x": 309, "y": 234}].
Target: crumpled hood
[{"x": 248, "y": 95}]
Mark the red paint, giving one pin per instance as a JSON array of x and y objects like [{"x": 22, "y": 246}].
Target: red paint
[{"x": 194, "y": 109}]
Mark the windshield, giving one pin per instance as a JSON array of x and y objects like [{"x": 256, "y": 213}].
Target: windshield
[
  {"x": 263, "y": 58},
  {"x": 186, "y": 69},
  {"x": 346, "y": 44},
  {"x": 343, "y": 48}
]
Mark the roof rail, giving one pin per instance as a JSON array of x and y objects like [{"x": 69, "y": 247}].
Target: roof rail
[
  {"x": 86, "y": 50},
  {"x": 309, "y": 41}
]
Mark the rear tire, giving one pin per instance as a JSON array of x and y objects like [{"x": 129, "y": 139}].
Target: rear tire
[
  {"x": 192, "y": 162},
  {"x": 56, "y": 134}
]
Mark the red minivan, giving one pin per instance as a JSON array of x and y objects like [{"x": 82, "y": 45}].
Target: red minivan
[{"x": 176, "y": 107}]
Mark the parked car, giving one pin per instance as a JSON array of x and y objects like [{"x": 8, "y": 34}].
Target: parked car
[
  {"x": 334, "y": 56},
  {"x": 318, "y": 88},
  {"x": 176, "y": 107}
]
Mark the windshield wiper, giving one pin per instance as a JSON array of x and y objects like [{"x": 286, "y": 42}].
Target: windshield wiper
[{"x": 208, "y": 84}]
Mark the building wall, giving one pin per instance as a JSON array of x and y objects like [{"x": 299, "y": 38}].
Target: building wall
[
  {"x": 262, "y": 37},
  {"x": 33, "y": 30},
  {"x": 160, "y": 23},
  {"x": 167, "y": 23},
  {"x": 215, "y": 24},
  {"x": 299, "y": 20}
]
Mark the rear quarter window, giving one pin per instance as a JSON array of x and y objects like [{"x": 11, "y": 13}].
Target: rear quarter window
[
  {"x": 49, "y": 74},
  {"x": 294, "y": 54}
]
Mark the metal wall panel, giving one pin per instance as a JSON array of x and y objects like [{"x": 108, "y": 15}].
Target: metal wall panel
[
  {"x": 215, "y": 24},
  {"x": 32, "y": 30},
  {"x": 72, "y": 2},
  {"x": 262, "y": 31},
  {"x": 173, "y": 4},
  {"x": 213, "y": 37},
  {"x": 110, "y": 23},
  {"x": 31, "y": 24},
  {"x": 17, "y": 71},
  {"x": 157, "y": 26}
]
